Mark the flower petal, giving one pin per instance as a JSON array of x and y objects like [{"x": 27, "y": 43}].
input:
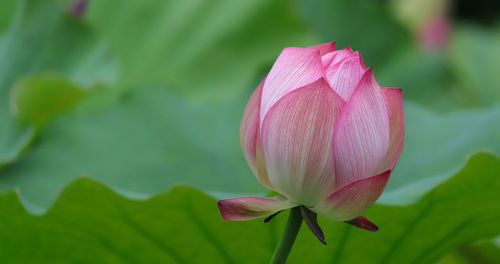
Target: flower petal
[
  {"x": 297, "y": 136},
  {"x": 324, "y": 48},
  {"x": 345, "y": 75},
  {"x": 361, "y": 136},
  {"x": 327, "y": 59},
  {"x": 294, "y": 68},
  {"x": 249, "y": 135},
  {"x": 335, "y": 57},
  {"x": 351, "y": 200},
  {"x": 250, "y": 207},
  {"x": 261, "y": 167},
  {"x": 250, "y": 126},
  {"x": 342, "y": 54},
  {"x": 397, "y": 125}
]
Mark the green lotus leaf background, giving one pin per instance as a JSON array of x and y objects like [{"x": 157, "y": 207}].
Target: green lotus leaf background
[
  {"x": 141, "y": 96},
  {"x": 89, "y": 221}
]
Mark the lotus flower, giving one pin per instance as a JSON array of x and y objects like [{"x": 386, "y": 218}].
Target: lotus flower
[{"x": 322, "y": 133}]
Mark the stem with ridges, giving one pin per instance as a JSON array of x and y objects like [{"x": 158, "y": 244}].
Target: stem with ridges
[{"x": 288, "y": 238}]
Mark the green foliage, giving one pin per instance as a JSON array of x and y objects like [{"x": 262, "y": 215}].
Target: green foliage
[
  {"x": 89, "y": 222},
  {"x": 142, "y": 142},
  {"x": 424, "y": 76},
  {"x": 196, "y": 46},
  {"x": 464, "y": 76},
  {"x": 144, "y": 95},
  {"x": 484, "y": 252},
  {"x": 146, "y": 139},
  {"x": 475, "y": 54},
  {"x": 42, "y": 38},
  {"x": 37, "y": 98},
  {"x": 162, "y": 146},
  {"x": 436, "y": 146},
  {"x": 359, "y": 24}
]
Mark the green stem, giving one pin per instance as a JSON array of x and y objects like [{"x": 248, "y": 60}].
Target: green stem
[{"x": 288, "y": 238}]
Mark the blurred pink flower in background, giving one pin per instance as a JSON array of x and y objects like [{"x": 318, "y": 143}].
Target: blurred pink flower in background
[
  {"x": 77, "y": 8},
  {"x": 321, "y": 132},
  {"x": 435, "y": 33},
  {"x": 429, "y": 21}
]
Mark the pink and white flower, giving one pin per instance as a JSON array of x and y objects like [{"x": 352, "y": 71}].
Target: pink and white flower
[{"x": 321, "y": 132}]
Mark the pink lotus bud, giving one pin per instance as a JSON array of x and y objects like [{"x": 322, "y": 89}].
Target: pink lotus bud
[{"x": 320, "y": 131}]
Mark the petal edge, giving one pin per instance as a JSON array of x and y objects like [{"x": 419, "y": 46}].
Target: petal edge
[
  {"x": 250, "y": 136},
  {"x": 394, "y": 98},
  {"x": 249, "y": 127},
  {"x": 351, "y": 200}
]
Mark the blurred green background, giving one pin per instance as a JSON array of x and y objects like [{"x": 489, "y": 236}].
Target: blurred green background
[{"x": 135, "y": 97}]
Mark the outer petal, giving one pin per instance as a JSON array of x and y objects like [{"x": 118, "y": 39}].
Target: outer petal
[
  {"x": 250, "y": 207},
  {"x": 361, "y": 137},
  {"x": 249, "y": 127},
  {"x": 397, "y": 128},
  {"x": 296, "y": 141},
  {"x": 351, "y": 200},
  {"x": 294, "y": 68},
  {"x": 249, "y": 135},
  {"x": 345, "y": 75}
]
